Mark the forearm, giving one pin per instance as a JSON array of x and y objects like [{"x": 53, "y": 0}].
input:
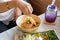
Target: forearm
[
  {"x": 15, "y": 0},
  {"x": 4, "y": 6}
]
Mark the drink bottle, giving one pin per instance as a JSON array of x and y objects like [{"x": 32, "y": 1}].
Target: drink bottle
[{"x": 51, "y": 13}]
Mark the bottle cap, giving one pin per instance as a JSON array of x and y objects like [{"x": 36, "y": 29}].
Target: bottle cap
[{"x": 52, "y": 7}]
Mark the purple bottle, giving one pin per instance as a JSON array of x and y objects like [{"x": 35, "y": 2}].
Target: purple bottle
[{"x": 51, "y": 13}]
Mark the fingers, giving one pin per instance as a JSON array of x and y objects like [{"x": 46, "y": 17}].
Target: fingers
[
  {"x": 17, "y": 13},
  {"x": 28, "y": 7},
  {"x": 25, "y": 7}
]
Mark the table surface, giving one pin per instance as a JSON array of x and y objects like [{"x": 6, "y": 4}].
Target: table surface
[{"x": 8, "y": 35}]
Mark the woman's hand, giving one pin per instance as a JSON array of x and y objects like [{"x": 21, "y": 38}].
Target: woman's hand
[
  {"x": 24, "y": 7},
  {"x": 28, "y": 8}
]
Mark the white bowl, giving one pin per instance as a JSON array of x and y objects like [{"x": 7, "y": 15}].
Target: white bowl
[{"x": 20, "y": 20}]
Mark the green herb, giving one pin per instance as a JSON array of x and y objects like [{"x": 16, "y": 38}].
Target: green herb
[
  {"x": 51, "y": 34},
  {"x": 28, "y": 19},
  {"x": 22, "y": 26},
  {"x": 37, "y": 34}
]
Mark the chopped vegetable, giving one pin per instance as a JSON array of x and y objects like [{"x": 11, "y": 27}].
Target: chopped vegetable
[
  {"x": 47, "y": 35},
  {"x": 29, "y": 22}
]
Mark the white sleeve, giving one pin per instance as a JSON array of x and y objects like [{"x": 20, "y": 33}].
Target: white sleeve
[
  {"x": 7, "y": 16},
  {"x": 4, "y": 0}
]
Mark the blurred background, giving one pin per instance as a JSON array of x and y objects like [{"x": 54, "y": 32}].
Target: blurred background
[{"x": 39, "y": 6}]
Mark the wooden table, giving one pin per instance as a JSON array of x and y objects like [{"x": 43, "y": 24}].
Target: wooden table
[{"x": 8, "y": 35}]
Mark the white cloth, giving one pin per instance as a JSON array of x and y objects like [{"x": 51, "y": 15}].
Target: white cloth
[{"x": 7, "y": 16}]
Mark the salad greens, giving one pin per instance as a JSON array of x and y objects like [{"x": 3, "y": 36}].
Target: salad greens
[{"x": 47, "y": 35}]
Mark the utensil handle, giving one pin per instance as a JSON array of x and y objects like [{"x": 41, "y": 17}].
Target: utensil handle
[{"x": 53, "y": 1}]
